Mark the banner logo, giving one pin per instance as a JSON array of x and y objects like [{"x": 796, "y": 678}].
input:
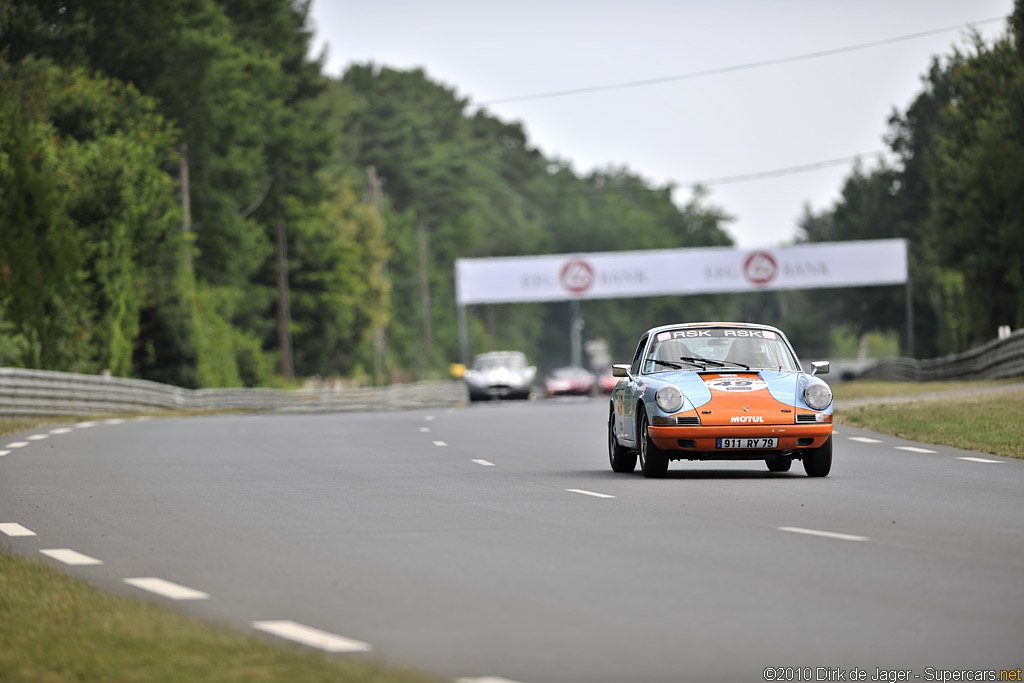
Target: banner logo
[
  {"x": 577, "y": 276},
  {"x": 760, "y": 268}
]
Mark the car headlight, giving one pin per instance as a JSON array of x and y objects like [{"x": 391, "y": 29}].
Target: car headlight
[
  {"x": 818, "y": 395},
  {"x": 669, "y": 398}
]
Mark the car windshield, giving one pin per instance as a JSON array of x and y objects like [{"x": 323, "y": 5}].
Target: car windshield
[
  {"x": 492, "y": 361},
  {"x": 718, "y": 347}
]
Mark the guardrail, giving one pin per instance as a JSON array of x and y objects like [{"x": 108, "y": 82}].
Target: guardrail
[
  {"x": 43, "y": 392},
  {"x": 997, "y": 359}
]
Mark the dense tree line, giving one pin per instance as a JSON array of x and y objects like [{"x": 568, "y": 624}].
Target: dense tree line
[
  {"x": 167, "y": 168},
  {"x": 954, "y": 192}
]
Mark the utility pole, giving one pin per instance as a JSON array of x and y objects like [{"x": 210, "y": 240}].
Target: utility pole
[
  {"x": 428, "y": 327},
  {"x": 186, "y": 201},
  {"x": 284, "y": 316},
  {"x": 375, "y": 196}
]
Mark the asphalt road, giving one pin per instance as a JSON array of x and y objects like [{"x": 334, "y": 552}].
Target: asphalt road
[{"x": 469, "y": 543}]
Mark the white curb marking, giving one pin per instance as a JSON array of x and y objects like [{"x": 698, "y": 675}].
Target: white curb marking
[
  {"x": 590, "y": 493},
  {"x": 12, "y": 529},
  {"x": 863, "y": 439},
  {"x": 167, "y": 589},
  {"x": 69, "y": 556},
  {"x": 485, "y": 463},
  {"x": 826, "y": 534},
  {"x": 914, "y": 449},
  {"x": 312, "y": 637},
  {"x": 979, "y": 459}
]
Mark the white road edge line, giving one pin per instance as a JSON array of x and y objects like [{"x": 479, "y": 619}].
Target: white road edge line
[
  {"x": 914, "y": 449},
  {"x": 863, "y": 439},
  {"x": 590, "y": 493},
  {"x": 485, "y": 463},
  {"x": 826, "y": 534},
  {"x": 12, "y": 529},
  {"x": 440, "y": 443},
  {"x": 167, "y": 589},
  {"x": 313, "y": 637},
  {"x": 979, "y": 459},
  {"x": 69, "y": 556}
]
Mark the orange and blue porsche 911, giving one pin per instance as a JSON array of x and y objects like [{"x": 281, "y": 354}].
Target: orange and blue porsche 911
[{"x": 719, "y": 391}]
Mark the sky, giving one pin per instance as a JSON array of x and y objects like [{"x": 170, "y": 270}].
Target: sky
[{"x": 785, "y": 114}]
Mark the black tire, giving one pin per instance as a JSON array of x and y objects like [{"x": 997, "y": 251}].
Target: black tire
[
  {"x": 779, "y": 464},
  {"x": 622, "y": 459},
  {"x": 818, "y": 461},
  {"x": 653, "y": 461}
]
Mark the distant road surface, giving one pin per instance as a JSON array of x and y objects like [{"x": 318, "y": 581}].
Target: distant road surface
[{"x": 494, "y": 542}]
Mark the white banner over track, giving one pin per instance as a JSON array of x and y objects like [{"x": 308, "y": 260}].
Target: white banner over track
[{"x": 625, "y": 274}]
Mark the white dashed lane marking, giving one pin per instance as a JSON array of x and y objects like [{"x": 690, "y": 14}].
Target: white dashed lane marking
[
  {"x": 485, "y": 679},
  {"x": 85, "y": 425},
  {"x": 38, "y": 437},
  {"x": 17, "y": 444},
  {"x": 979, "y": 460},
  {"x": 313, "y": 637},
  {"x": 12, "y": 529},
  {"x": 428, "y": 418},
  {"x": 60, "y": 430},
  {"x": 424, "y": 429},
  {"x": 114, "y": 421},
  {"x": 485, "y": 463},
  {"x": 590, "y": 493},
  {"x": 825, "y": 534},
  {"x": 69, "y": 556},
  {"x": 167, "y": 589},
  {"x": 440, "y": 443},
  {"x": 914, "y": 449},
  {"x": 2, "y": 453},
  {"x": 863, "y": 439}
]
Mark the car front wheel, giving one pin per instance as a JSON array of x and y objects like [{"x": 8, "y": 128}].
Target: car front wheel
[
  {"x": 653, "y": 461},
  {"x": 622, "y": 459},
  {"x": 818, "y": 461}
]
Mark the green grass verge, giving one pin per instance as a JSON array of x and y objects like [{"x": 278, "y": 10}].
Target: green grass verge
[
  {"x": 987, "y": 423},
  {"x": 56, "y": 628},
  {"x": 871, "y": 388}
]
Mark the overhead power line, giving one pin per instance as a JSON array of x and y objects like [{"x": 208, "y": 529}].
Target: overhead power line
[
  {"x": 789, "y": 170},
  {"x": 736, "y": 67}
]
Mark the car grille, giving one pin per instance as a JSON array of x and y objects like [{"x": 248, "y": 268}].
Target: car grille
[
  {"x": 806, "y": 418},
  {"x": 687, "y": 421}
]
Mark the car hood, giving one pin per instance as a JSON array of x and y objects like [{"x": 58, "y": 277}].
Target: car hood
[{"x": 726, "y": 387}]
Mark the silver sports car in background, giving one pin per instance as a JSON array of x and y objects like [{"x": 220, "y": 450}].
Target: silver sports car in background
[{"x": 500, "y": 374}]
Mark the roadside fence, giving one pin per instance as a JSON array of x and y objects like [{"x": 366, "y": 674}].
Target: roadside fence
[{"x": 43, "y": 392}]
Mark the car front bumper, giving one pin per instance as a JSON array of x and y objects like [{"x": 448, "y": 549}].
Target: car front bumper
[{"x": 702, "y": 441}]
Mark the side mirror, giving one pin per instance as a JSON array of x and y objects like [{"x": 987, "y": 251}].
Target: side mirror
[
  {"x": 620, "y": 370},
  {"x": 820, "y": 367}
]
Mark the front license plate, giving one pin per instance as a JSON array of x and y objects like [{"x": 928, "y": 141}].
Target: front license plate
[{"x": 748, "y": 443}]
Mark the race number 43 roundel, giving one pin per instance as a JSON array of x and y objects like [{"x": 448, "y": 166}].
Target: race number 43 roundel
[{"x": 737, "y": 384}]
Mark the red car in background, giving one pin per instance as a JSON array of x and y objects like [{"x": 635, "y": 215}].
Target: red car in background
[{"x": 569, "y": 381}]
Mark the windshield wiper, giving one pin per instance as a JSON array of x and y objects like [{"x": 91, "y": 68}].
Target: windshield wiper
[
  {"x": 732, "y": 362},
  {"x": 667, "y": 363}
]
